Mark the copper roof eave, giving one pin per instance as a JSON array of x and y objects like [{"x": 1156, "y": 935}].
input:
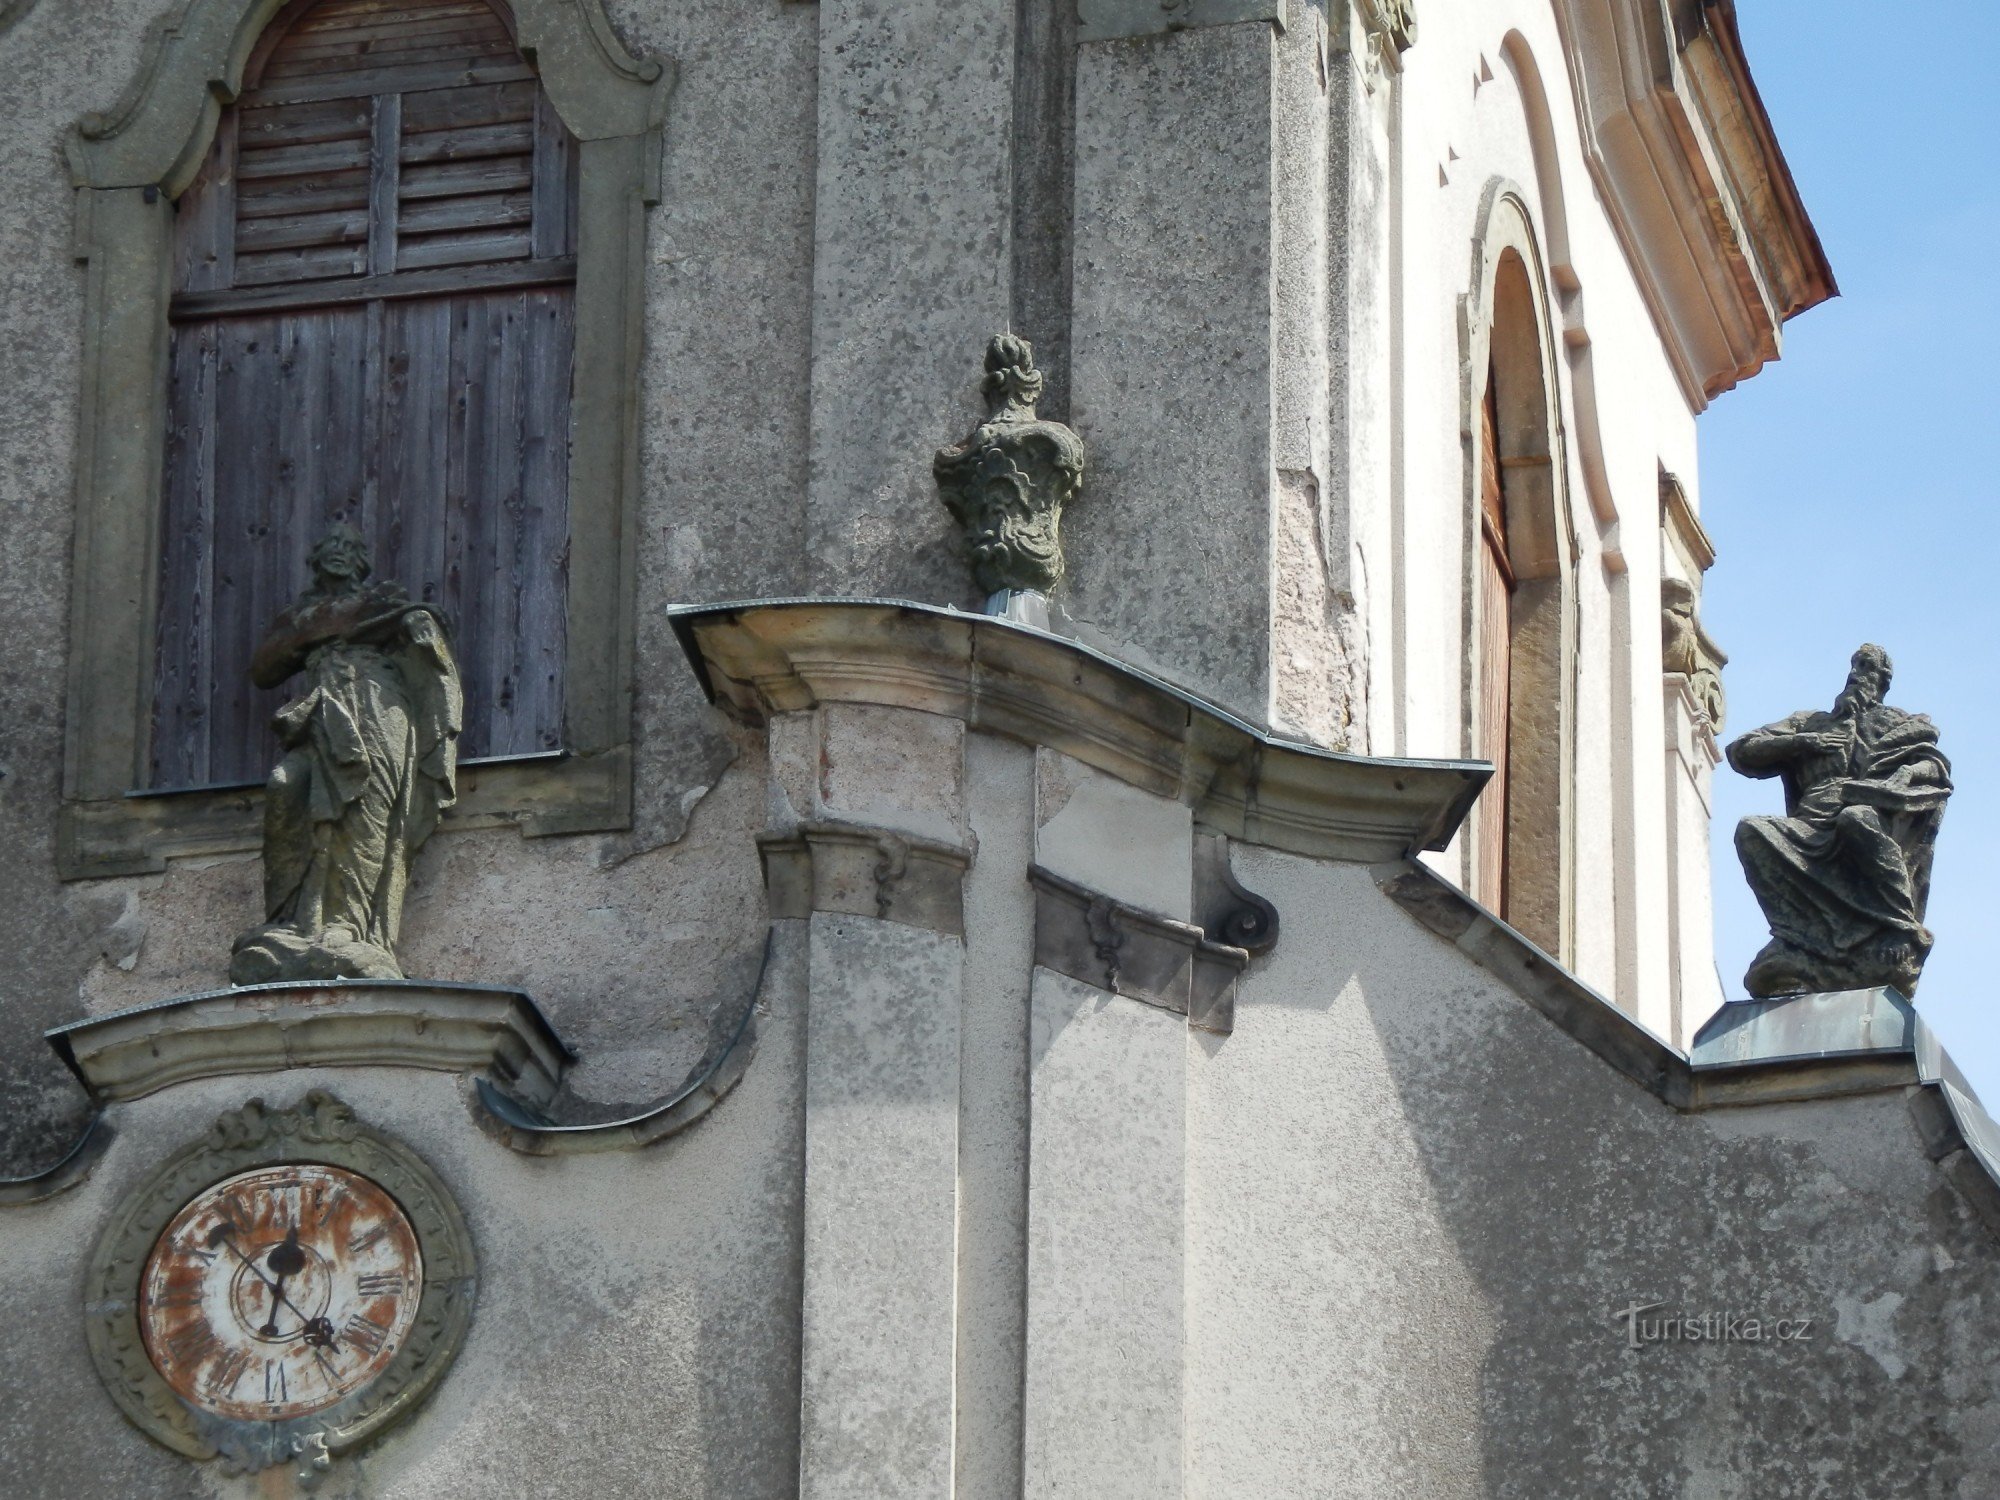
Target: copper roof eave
[{"x": 1815, "y": 281}]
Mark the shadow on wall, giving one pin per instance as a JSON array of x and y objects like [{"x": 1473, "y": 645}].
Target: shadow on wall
[{"x": 1569, "y": 1194}]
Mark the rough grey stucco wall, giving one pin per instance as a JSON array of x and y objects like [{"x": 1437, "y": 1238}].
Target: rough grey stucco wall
[
  {"x": 637, "y": 1325},
  {"x": 1170, "y": 544},
  {"x": 628, "y": 939},
  {"x": 1449, "y": 1198},
  {"x": 682, "y": 1299}
]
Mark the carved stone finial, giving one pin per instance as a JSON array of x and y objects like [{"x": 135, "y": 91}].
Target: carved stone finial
[
  {"x": 1845, "y": 875},
  {"x": 1006, "y": 484}
]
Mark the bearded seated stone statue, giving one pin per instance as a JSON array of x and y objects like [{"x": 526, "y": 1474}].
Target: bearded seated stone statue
[
  {"x": 370, "y": 761},
  {"x": 1845, "y": 875}
]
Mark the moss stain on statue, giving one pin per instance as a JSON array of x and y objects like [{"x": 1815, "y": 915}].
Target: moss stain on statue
[{"x": 370, "y": 762}]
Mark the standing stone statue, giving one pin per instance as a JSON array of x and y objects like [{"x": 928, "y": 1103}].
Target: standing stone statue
[
  {"x": 1006, "y": 486},
  {"x": 370, "y": 761},
  {"x": 1844, "y": 876}
]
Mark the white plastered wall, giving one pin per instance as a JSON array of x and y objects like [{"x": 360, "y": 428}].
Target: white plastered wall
[{"x": 1485, "y": 99}]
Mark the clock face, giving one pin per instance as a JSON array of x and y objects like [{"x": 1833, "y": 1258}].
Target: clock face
[{"x": 278, "y": 1292}]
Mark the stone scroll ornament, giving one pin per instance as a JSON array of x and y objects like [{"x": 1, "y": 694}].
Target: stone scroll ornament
[
  {"x": 1845, "y": 874},
  {"x": 1006, "y": 486},
  {"x": 370, "y": 760},
  {"x": 1687, "y": 648}
]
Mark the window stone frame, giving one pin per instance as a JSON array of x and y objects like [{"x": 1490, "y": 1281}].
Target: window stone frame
[
  {"x": 1506, "y": 226},
  {"x": 128, "y": 164}
]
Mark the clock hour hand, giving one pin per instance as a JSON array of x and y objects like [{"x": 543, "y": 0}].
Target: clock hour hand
[
  {"x": 314, "y": 1326},
  {"x": 287, "y": 1259}
]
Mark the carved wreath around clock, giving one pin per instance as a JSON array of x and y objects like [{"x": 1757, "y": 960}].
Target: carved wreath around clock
[{"x": 287, "y": 1286}]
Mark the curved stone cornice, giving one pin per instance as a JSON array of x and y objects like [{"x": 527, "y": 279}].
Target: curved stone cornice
[
  {"x": 267, "y": 1028},
  {"x": 759, "y": 658},
  {"x": 160, "y": 128}
]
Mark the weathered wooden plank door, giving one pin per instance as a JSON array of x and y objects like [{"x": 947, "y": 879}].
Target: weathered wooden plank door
[{"x": 373, "y": 322}]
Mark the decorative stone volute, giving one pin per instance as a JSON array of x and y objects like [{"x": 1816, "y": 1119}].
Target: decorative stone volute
[
  {"x": 1687, "y": 649},
  {"x": 1006, "y": 484},
  {"x": 1392, "y": 26}
]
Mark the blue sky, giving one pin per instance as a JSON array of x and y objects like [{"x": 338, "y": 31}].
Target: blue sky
[{"x": 1851, "y": 488}]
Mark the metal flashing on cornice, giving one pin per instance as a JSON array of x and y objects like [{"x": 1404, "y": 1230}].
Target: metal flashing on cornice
[
  {"x": 1810, "y": 1047},
  {"x": 537, "y": 1131},
  {"x": 1785, "y": 1050},
  {"x": 266, "y": 1028},
  {"x": 758, "y": 658},
  {"x": 1802, "y": 1028},
  {"x": 1113, "y": 20},
  {"x": 1632, "y": 1049},
  {"x": 67, "y": 1171}
]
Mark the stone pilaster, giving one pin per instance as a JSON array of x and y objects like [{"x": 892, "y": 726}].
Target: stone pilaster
[
  {"x": 867, "y": 849},
  {"x": 1172, "y": 354},
  {"x": 912, "y": 275}
]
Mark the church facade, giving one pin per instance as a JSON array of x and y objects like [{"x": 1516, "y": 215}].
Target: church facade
[{"x": 915, "y": 748}]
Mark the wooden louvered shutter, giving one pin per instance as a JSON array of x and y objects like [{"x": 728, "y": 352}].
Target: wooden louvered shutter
[
  {"x": 373, "y": 322},
  {"x": 1496, "y": 649}
]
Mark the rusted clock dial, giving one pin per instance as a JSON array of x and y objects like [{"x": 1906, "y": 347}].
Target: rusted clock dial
[{"x": 277, "y": 1293}]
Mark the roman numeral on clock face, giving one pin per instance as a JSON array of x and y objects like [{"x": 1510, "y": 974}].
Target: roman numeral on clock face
[
  {"x": 191, "y": 1342},
  {"x": 361, "y": 1239},
  {"x": 328, "y": 1204},
  {"x": 283, "y": 1205},
  {"x": 223, "y": 1376},
  {"x": 364, "y": 1333},
  {"x": 380, "y": 1284},
  {"x": 274, "y": 1382}
]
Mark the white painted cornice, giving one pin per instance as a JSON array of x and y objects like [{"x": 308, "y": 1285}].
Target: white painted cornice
[{"x": 1696, "y": 187}]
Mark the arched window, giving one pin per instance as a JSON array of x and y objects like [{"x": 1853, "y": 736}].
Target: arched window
[
  {"x": 380, "y": 261},
  {"x": 372, "y": 322},
  {"x": 1522, "y": 608}
]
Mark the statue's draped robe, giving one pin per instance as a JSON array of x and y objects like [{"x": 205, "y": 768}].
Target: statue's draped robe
[
  {"x": 1849, "y": 865},
  {"x": 369, "y": 764}
]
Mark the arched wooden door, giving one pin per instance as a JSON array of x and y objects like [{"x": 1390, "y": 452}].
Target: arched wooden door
[
  {"x": 1495, "y": 605},
  {"x": 372, "y": 322}
]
